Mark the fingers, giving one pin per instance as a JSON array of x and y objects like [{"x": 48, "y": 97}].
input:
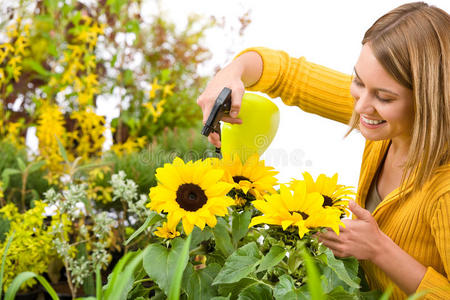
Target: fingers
[
  {"x": 214, "y": 139},
  {"x": 236, "y": 100},
  {"x": 232, "y": 120},
  {"x": 337, "y": 249},
  {"x": 332, "y": 241},
  {"x": 359, "y": 212},
  {"x": 329, "y": 235}
]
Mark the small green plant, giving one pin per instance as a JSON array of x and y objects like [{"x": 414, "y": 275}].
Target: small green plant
[
  {"x": 88, "y": 229},
  {"x": 31, "y": 249}
]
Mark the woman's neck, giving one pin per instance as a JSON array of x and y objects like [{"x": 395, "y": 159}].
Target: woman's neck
[{"x": 399, "y": 150}]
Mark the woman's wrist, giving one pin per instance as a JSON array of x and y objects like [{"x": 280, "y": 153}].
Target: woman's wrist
[
  {"x": 248, "y": 66},
  {"x": 402, "y": 268},
  {"x": 382, "y": 249}
]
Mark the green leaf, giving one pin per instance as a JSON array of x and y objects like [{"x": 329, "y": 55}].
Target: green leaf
[
  {"x": 9, "y": 89},
  {"x": 285, "y": 290},
  {"x": 271, "y": 259},
  {"x": 33, "y": 167},
  {"x": 113, "y": 60},
  {"x": 256, "y": 292},
  {"x": 175, "y": 281},
  {"x": 98, "y": 283},
  {"x": 222, "y": 237},
  {"x": 340, "y": 269},
  {"x": 38, "y": 68},
  {"x": 199, "y": 236},
  {"x": 116, "y": 5},
  {"x": 121, "y": 281},
  {"x": 372, "y": 295},
  {"x": 165, "y": 75},
  {"x": 132, "y": 26},
  {"x": 4, "y": 229},
  {"x": 51, "y": 5},
  {"x": 240, "y": 264},
  {"x": 21, "y": 163},
  {"x": 340, "y": 294},
  {"x": 62, "y": 150},
  {"x": 22, "y": 278},
  {"x": 128, "y": 79},
  {"x": 160, "y": 262},
  {"x": 239, "y": 225},
  {"x": 113, "y": 278},
  {"x": 5, "y": 176},
  {"x": 233, "y": 289},
  {"x": 198, "y": 282},
  {"x": 151, "y": 219},
  {"x": 313, "y": 279},
  {"x": 5, "y": 253},
  {"x": 294, "y": 261},
  {"x": 387, "y": 293}
]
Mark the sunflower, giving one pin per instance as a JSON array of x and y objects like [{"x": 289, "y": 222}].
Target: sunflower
[
  {"x": 192, "y": 192},
  {"x": 335, "y": 195},
  {"x": 299, "y": 209},
  {"x": 166, "y": 231},
  {"x": 251, "y": 180}
]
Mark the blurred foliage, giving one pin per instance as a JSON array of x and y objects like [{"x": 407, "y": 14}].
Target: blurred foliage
[
  {"x": 95, "y": 87},
  {"x": 13, "y": 183},
  {"x": 67, "y": 67}
]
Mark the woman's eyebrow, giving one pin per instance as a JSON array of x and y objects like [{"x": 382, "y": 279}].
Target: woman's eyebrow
[
  {"x": 356, "y": 73},
  {"x": 378, "y": 89}
]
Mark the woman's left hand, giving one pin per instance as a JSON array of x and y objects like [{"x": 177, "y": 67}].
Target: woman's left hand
[{"x": 360, "y": 238}]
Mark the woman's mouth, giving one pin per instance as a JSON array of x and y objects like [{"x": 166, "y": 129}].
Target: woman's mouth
[{"x": 369, "y": 123}]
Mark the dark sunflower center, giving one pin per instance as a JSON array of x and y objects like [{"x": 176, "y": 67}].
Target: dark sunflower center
[
  {"x": 304, "y": 215},
  {"x": 236, "y": 179},
  {"x": 327, "y": 201},
  {"x": 191, "y": 197}
]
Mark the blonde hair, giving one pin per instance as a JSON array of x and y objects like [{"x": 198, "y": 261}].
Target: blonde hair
[{"x": 412, "y": 43}]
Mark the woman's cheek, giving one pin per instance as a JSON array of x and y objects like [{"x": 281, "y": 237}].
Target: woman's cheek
[{"x": 354, "y": 91}]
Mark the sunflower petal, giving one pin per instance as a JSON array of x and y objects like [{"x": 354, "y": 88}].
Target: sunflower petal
[{"x": 286, "y": 223}]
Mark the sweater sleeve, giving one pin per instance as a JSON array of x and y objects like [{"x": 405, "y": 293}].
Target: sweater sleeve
[
  {"x": 437, "y": 285},
  {"x": 313, "y": 88}
]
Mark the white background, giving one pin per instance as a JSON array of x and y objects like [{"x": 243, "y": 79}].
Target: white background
[{"x": 325, "y": 32}]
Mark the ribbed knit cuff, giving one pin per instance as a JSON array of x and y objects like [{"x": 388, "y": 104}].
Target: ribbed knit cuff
[
  {"x": 436, "y": 285},
  {"x": 270, "y": 70}
]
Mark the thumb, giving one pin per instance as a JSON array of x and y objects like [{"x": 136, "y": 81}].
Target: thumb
[{"x": 359, "y": 212}]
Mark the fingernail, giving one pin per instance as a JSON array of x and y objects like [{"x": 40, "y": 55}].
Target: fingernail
[{"x": 233, "y": 114}]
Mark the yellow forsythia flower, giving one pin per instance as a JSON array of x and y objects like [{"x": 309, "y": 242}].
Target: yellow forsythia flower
[{"x": 51, "y": 128}]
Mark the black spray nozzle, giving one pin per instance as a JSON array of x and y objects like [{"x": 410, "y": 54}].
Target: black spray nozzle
[{"x": 221, "y": 106}]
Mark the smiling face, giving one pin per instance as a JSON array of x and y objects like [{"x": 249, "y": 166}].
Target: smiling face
[{"x": 384, "y": 105}]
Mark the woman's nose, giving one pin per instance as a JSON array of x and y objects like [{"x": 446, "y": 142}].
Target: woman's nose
[{"x": 364, "y": 104}]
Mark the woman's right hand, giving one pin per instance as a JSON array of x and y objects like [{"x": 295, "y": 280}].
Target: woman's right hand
[
  {"x": 230, "y": 78},
  {"x": 239, "y": 73}
]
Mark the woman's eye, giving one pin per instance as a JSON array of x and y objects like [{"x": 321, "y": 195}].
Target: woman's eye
[
  {"x": 357, "y": 82},
  {"x": 383, "y": 99}
]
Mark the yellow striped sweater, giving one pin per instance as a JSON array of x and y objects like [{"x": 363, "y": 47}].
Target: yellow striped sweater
[{"x": 419, "y": 223}]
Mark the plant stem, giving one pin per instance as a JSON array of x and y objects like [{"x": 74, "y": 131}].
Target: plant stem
[
  {"x": 136, "y": 241},
  {"x": 199, "y": 248},
  {"x": 80, "y": 242},
  {"x": 144, "y": 280},
  {"x": 23, "y": 191},
  {"x": 124, "y": 237},
  {"x": 69, "y": 278}
]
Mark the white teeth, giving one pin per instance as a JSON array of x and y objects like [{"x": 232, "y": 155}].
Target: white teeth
[{"x": 372, "y": 122}]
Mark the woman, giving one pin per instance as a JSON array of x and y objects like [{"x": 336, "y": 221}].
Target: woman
[{"x": 399, "y": 101}]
